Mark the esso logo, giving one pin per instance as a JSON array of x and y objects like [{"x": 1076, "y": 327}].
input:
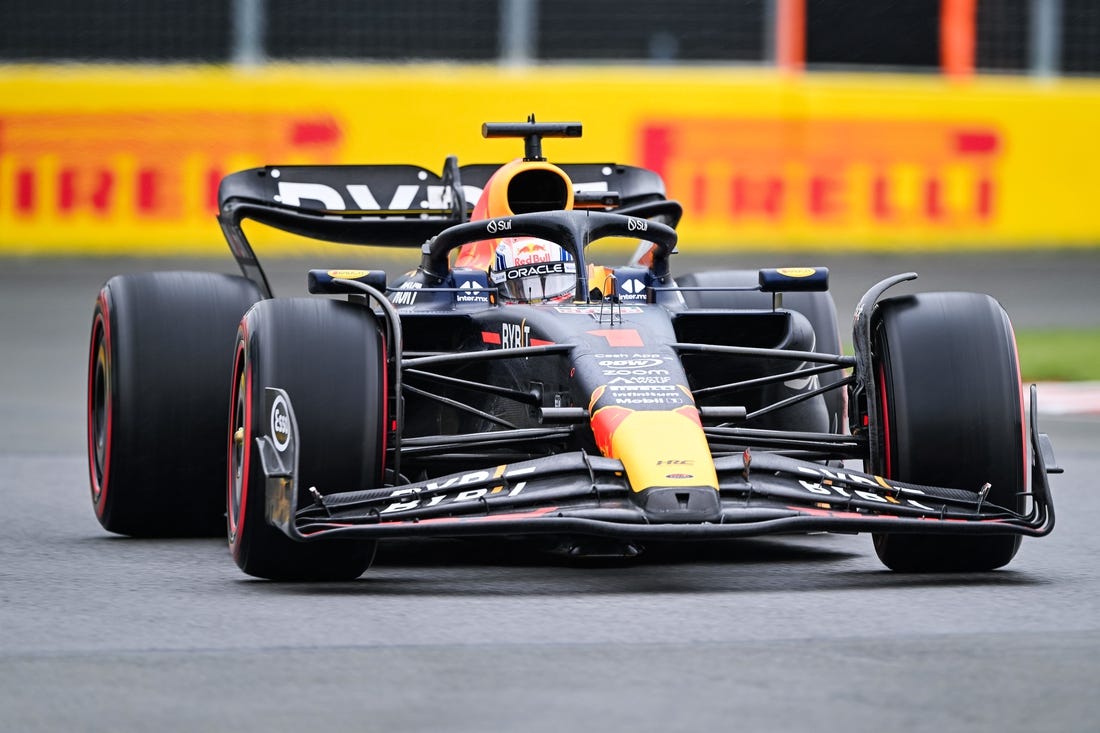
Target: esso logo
[
  {"x": 280, "y": 423},
  {"x": 637, "y": 225},
  {"x": 502, "y": 225}
]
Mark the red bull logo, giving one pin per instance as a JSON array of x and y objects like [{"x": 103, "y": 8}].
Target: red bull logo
[{"x": 531, "y": 252}]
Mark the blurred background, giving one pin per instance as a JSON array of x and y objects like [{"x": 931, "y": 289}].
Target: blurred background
[
  {"x": 830, "y": 125},
  {"x": 1038, "y": 37}
]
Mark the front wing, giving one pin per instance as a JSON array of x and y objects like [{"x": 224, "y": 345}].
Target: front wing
[{"x": 583, "y": 495}]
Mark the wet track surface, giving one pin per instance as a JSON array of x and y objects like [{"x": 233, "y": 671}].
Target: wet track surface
[{"x": 105, "y": 633}]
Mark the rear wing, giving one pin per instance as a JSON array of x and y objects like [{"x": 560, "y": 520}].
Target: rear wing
[{"x": 390, "y": 205}]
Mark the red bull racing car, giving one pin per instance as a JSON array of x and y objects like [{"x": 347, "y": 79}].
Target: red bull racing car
[{"x": 509, "y": 386}]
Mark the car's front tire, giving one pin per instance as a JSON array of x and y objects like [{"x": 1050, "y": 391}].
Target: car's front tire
[
  {"x": 950, "y": 408},
  {"x": 329, "y": 357}
]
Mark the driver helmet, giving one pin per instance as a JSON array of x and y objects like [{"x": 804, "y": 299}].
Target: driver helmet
[{"x": 527, "y": 270}]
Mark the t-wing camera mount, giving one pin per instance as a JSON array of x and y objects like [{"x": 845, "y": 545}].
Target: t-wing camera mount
[{"x": 532, "y": 133}]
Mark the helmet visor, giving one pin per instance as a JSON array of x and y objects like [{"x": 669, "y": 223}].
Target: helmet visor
[{"x": 536, "y": 282}]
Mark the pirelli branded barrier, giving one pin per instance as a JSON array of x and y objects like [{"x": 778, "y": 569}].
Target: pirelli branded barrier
[{"x": 127, "y": 160}]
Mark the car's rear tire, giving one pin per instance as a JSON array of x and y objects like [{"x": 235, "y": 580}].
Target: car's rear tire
[
  {"x": 950, "y": 404},
  {"x": 818, "y": 308},
  {"x": 161, "y": 345},
  {"x": 329, "y": 357}
]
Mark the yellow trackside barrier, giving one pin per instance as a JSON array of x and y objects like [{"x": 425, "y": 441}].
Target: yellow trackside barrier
[{"x": 126, "y": 160}]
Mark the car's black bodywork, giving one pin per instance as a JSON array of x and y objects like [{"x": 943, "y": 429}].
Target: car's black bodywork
[{"x": 642, "y": 409}]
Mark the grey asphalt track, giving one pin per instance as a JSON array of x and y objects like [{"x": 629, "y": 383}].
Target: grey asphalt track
[{"x": 101, "y": 633}]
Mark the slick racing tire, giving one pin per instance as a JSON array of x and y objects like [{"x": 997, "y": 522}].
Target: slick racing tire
[
  {"x": 948, "y": 383},
  {"x": 161, "y": 346},
  {"x": 329, "y": 357},
  {"x": 818, "y": 308}
]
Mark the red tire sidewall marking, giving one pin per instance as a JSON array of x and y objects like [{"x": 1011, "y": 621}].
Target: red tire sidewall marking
[
  {"x": 236, "y": 523},
  {"x": 100, "y": 324},
  {"x": 884, "y": 405},
  {"x": 385, "y": 411}
]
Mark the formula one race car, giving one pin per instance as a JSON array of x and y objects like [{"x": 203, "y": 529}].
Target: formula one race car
[{"x": 510, "y": 387}]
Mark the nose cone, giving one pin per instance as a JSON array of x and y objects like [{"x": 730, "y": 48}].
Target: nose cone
[{"x": 667, "y": 461}]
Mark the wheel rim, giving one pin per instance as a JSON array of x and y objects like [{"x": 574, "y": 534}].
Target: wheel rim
[
  {"x": 887, "y": 467},
  {"x": 99, "y": 411},
  {"x": 239, "y": 449}
]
